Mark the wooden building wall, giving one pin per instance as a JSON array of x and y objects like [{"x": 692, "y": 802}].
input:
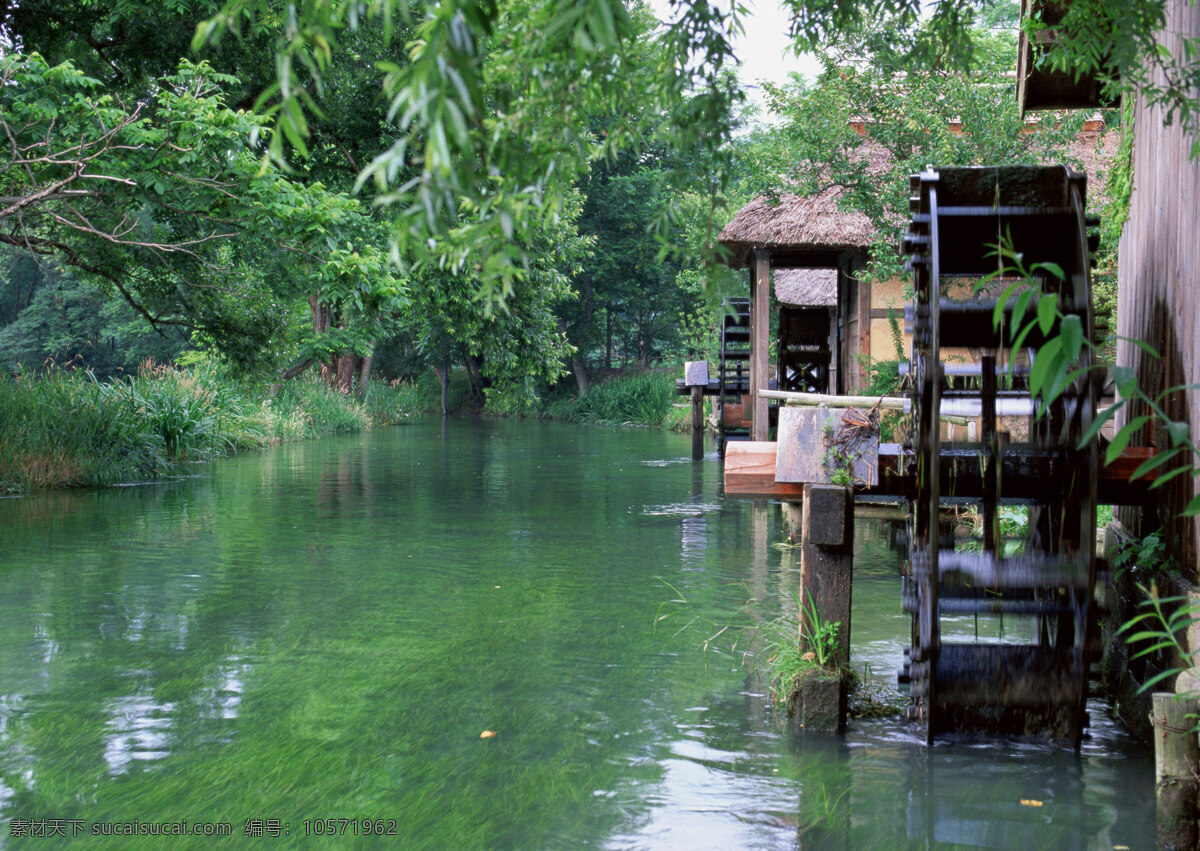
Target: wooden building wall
[{"x": 1159, "y": 271}]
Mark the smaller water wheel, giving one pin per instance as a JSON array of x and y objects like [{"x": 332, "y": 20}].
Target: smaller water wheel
[{"x": 1032, "y": 677}]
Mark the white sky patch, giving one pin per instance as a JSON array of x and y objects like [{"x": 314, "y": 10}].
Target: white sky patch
[{"x": 763, "y": 52}]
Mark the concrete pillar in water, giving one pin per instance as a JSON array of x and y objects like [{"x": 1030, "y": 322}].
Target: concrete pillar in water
[
  {"x": 826, "y": 570},
  {"x": 1175, "y": 755}
]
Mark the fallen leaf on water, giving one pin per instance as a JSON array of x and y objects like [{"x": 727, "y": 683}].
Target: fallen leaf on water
[
  {"x": 1029, "y": 802},
  {"x": 491, "y": 734}
]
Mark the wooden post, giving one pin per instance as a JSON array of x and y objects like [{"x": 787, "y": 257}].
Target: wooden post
[
  {"x": 834, "y": 388},
  {"x": 826, "y": 571},
  {"x": 697, "y": 408},
  {"x": 760, "y": 340},
  {"x": 697, "y": 422},
  {"x": 864, "y": 331},
  {"x": 1175, "y": 754},
  {"x": 793, "y": 518}
]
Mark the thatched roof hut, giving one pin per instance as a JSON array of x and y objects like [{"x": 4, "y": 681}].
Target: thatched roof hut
[
  {"x": 813, "y": 232},
  {"x": 806, "y": 232},
  {"x": 806, "y": 287}
]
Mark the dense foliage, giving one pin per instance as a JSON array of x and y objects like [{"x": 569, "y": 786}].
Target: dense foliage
[{"x": 519, "y": 188}]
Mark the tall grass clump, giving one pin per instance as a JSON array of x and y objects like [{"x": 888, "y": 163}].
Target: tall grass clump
[
  {"x": 393, "y": 402},
  {"x": 176, "y": 407},
  {"x": 66, "y": 430},
  {"x": 305, "y": 407},
  {"x": 643, "y": 398},
  {"x": 63, "y": 428}
]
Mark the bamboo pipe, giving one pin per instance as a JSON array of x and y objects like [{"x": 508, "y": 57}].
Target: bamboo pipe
[{"x": 823, "y": 400}]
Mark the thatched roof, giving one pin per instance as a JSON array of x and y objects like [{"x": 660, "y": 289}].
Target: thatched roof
[
  {"x": 812, "y": 223},
  {"x": 806, "y": 287},
  {"x": 811, "y": 231}
]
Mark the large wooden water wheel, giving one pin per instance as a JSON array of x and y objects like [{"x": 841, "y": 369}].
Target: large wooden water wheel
[{"x": 1033, "y": 676}]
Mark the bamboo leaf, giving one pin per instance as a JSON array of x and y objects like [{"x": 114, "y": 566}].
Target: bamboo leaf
[
  {"x": 1071, "y": 330},
  {"x": 1143, "y": 345},
  {"x": 1045, "y": 364},
  {"x": 1121, "y": 438},
  {"x": 1097, "y": 424},
  {"x": 1153, "y": 462},
  {"x": 1047, "y": 309},
  {"x": 1157, "y": 678},
  {"x": 1159, "y": 481}
]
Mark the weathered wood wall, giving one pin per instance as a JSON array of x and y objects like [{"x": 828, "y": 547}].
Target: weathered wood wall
[{"x": 1159, "y": 269}]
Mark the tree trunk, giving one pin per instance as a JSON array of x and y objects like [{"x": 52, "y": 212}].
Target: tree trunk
[
  {"x": 442, "y": 382},
  {"x": 346, "y": 366},
  {"x": 608, "y": 336},
  {"x": 475, "y": 376},
  {"x": 364, "y": 372},
  {"x": 577, "y": 364},
  {"x": 289, "y": 374},
  {"x": 322, "y": 319}
]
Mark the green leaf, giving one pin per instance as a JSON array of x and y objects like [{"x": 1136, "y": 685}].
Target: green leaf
[
  {"x": 1121, "y": 438},
  {"x": 1125, "y": 380},
  {"x": 1143, "y": 345},
  {"x": 1019, "y": 313},
  {"x": 1193, "y": 507},
  {"x": 1045, "y": 365},
  {"x": 1157, "y": 678},
  {"x": 1047, "y": 310},
  {"x": 1098, "y": 423},
  {"x": 1178, "y": 432},
  {"x": 1053, "y": 268},
  {"x": 1071, "y": 330},
  {"x": 1173, "y": 474},
  {"x": 1154, "y": 462}
]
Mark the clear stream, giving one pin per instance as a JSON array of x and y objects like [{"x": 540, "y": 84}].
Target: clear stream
[{"x": 324, "y": 631}]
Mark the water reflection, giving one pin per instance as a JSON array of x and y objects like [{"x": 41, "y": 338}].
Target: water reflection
[
  {"x": 326, "y": 629},
  {"x": 139, "y": 730}
]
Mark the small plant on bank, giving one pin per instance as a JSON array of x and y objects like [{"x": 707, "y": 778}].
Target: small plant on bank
[
  {"x": 785, "y": 649},
  {"x": 1054, "y": 368},
  {"x": 798, "y": 646},
  {"x": 1161, "y": 628}
]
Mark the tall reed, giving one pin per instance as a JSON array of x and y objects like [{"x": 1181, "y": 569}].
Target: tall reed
[
  {"x": 642, "y": 398},
  {"x": 66, "y": 429}
]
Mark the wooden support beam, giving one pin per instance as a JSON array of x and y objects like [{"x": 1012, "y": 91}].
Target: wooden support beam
[
  {"x": 864, "y": 331},
  {"x": 760, "y": 340},
  {"x": 826, "y": 571},
  {"x": 750, "y": 471},
  {"x": 829, "y": 400},
  {"x": 697, "y": 408},
  {"x": 1175, "y": 755}
]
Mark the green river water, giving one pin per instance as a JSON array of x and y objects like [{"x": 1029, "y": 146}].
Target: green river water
[{"x": 323, "y": 631}]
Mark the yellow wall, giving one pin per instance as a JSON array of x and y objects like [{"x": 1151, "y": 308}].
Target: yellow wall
[
  {"x": 890, "y": 294},
  {"x": 884, "y": 295}
]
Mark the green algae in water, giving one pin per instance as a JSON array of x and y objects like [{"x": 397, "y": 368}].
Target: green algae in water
[{"x": 323, "y": 631}]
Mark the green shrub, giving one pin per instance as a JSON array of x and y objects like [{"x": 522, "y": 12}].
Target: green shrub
[
  {"x": 643, "y": 398},
  {"x": 66, "y": 429},
  {"x": 308, "y": 408},
  {"x": 63, "y": 430}
]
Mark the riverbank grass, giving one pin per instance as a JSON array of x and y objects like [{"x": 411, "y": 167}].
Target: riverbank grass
[
  {"x": 66, "y": 429},
  {"x": 641, "y": 398}
]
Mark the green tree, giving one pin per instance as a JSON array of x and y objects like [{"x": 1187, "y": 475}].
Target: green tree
[
  {"x": 163, "y": 202},
  {"x": 873, "y": 117},
  {"x": 61, "y": 320}
]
